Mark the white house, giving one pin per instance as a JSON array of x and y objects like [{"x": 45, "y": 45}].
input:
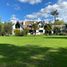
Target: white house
[
  {"x": 41, "y": 29},
  {"x": 24, "y": 24}
]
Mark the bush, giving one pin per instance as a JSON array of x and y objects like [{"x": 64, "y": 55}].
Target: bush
[
  {"x": 25, "y": 31},
  {"x": 17, "y": 32}
]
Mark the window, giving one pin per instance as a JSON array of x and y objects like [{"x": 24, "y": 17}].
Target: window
[
  {"x": 41, "y": 31},
  {"x": 30, "y": 31}
]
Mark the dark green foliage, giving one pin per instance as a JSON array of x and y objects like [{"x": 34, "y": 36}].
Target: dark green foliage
[
  {"x": 26, "y": 31},
  {"x": 59, "y": 22},
  {"x": 5, "y": 28},
  {"x": 34, "y": 27},
  {"x": 17, "y": 25},
  {"x": 23, "y": 32},
  {"x": 58, "y": 25},
  {"x": 56, "y": 30},
  {"x": 8, "y": 28},
  {"x": 2, "y": 30},
  {"x": 48, "y": 28}
]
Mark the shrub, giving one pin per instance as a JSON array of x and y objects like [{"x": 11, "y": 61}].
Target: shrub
[
  {"x": 17, "y": 32},
  {"x": 25, "y": 32}
]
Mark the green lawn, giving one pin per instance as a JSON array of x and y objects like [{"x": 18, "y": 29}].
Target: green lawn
[{"x": 33, "y": 51}]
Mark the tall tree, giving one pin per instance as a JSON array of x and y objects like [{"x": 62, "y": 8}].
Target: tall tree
[
  {"x": 34, "y": 27},
  {"x": 8, "y": 28},
  {"x": 59, "y": 22},
  {"x": 55, "y": 13},
  {"x": 48, "y": 28},
  {"x": 58, "y": 26}
]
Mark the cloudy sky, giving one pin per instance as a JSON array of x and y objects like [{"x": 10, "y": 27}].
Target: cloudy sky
[{"x": 32, "y": 9}]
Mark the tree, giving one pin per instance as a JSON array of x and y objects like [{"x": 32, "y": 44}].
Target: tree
[
  {"x": 59, "y": 22},
  {"x": 1, "y": 28},
  {"x": 54, "y": 13},
  {"x": 48, "y": 28},
  {"x": 58, "y": 26},
  {"x": 56, "y": 30},
  {"x": 8, "y": 28},
  {"x": 34, "y": 27}
]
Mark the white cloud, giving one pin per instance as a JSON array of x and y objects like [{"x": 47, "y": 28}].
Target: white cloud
[
  {"x": 44, "y": 12},
  {"x": 14, "y": 18},
  {"x": 31, "y": 16},
  {"x": 31, "y": 1},
  {"x": 60, "y": 1},
  {"x": 63, "y": 14},
  {"x": 63, "y": 10}
]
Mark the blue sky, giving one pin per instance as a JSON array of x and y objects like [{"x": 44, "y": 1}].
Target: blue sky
[{"x": 27, "y": 9}]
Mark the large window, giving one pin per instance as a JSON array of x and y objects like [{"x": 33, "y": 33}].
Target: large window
[{"x": 41, "y": 31}]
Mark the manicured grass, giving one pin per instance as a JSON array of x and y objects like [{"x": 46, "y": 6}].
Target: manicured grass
[{"x": 33, "y": 51}]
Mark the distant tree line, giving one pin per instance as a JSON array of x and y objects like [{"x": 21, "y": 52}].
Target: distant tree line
[
  {"x": 57, "y": 27},
  {"x": 5, "y": 28}
]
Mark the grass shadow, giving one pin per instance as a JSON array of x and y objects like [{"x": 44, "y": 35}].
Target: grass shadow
[
  {"x": 56, "y": 37},
  {"x": 32, "y": 56}
]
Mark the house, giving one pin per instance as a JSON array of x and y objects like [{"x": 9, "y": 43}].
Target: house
[
  {"x": 16, "y": 25},
  {"x": 41, "y": 29},
  {"x": 21, "y": 25}
]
